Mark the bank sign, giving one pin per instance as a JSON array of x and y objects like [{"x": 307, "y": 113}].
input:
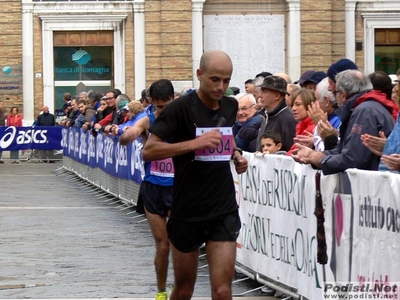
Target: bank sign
[{"x": 10, "y": 79}]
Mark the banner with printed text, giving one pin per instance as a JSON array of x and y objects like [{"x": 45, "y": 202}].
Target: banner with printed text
[
  {"x": 22, "y": 138},
  {"x": 105, "y": 152},
  {"x": 376, "y": 233},
  {"x": 278, "y": 236},
  {"x": 276, "y": 198}
]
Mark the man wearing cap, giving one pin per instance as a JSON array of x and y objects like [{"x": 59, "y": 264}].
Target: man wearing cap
[
  {"x": 337, "y": 67},
  {"x": 278, "y": 116},
  {"x": 134, "y": 111},
  {"x": 73, "y": 114},
  {"x": 304, "y": 77},
  {"x": 314, "y": 79},
  {"x": 258, "y": 79}
]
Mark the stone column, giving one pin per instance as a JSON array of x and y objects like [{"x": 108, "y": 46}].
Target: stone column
[
  {"x": 350, "y": 33},
  {"x": 140, "y": 48},
  {"x": 294, "y": 39},
  {"x": 197, "y": 37},
  {"x": 27, "y": 64}
]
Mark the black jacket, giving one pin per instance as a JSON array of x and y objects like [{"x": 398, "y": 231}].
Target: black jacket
[{"x": 46, "y": 119}]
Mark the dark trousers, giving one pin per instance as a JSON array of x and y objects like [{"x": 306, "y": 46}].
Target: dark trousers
[{"x": 46, "y": 155}]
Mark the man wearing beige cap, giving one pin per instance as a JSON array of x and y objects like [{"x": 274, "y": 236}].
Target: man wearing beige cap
[{"x": 278, "y": 116}]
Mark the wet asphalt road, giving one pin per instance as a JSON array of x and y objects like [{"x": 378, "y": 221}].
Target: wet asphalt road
[{"x": 60, "y": 238}]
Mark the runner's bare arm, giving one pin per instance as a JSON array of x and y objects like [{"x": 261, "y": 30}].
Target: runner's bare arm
[
  {"x": 156, "y": 149},
  {"x": 135, "y": 131}
]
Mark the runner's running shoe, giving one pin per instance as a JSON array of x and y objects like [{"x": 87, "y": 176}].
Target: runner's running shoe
[{"x": 161, "y": 296}]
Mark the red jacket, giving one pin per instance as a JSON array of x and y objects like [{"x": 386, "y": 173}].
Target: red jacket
[
  {"x": 14, "y": 121},
  {"x": 305, "y": 125},
  {"x": 380, "y": 97}
]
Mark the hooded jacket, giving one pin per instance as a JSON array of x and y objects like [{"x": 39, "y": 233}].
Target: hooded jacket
[{"x": 368, "y": 112}]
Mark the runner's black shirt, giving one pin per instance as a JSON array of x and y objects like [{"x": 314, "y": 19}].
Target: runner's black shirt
[{"x": 202, "y": 190}]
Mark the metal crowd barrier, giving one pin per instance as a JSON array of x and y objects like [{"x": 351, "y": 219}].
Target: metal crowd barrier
[{"x": 125, "y": 190}]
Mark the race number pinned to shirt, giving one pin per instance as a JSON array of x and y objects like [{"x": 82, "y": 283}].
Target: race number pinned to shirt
[
  {"x": 162, "y": 168},
  {"x": 224, "y": 150}
]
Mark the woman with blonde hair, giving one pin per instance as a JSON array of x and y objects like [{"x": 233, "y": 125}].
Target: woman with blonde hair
[{"x": 305, "y": 126}]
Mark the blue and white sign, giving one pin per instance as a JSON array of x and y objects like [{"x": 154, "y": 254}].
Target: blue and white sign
[
  {"x": 21, "y": 138},
  {"x": 105, "y": 152}
]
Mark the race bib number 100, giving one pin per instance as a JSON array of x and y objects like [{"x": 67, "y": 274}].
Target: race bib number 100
[
  {"x": 224, "y": 150},
  {"x": 162, "y": 168}
]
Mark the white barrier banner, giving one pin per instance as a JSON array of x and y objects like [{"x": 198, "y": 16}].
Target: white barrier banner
[
  {"x": 276, "y": 197},
  {"x": 376, "y": 233},
  {"x": 278, "y": 235},
  {"x": 337, "y": 199}
]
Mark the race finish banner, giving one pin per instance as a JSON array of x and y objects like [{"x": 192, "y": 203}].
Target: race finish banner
[
  {"x": 23, "y": 138},
  {"x": 104, "y": 152}
]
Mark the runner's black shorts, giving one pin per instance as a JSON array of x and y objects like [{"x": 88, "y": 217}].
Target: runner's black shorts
[
  {"x": 188, "y": 236},
  {"x": 157, "y": 199}
]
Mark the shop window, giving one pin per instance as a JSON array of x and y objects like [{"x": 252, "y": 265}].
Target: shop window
[{"x": 387, "y": 50}]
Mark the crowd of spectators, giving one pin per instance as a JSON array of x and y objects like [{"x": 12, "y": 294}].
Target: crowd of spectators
[
  {"x": 334, "y": 120},
  {"x": 107, "y": 113}
]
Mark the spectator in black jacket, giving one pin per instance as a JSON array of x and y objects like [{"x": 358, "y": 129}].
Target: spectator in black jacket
[
  {"x": 46, "y": 119},
  {"x": 277, "y": 115},
  {"x": 72, "y": 114}
]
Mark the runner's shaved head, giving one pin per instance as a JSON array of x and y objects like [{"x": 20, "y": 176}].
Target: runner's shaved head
[{"x": 210, "y": 55}]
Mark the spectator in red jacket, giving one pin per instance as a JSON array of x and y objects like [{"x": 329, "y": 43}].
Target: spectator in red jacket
[
  {"x": 14, "y": 119},
  {"x": 305, "y": 126}
]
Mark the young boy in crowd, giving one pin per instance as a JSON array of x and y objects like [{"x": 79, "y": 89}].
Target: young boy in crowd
[{"x": 271, "y": 143}]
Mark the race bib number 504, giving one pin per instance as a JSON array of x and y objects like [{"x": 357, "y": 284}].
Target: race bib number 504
[{"x": 224, "y": 150}]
